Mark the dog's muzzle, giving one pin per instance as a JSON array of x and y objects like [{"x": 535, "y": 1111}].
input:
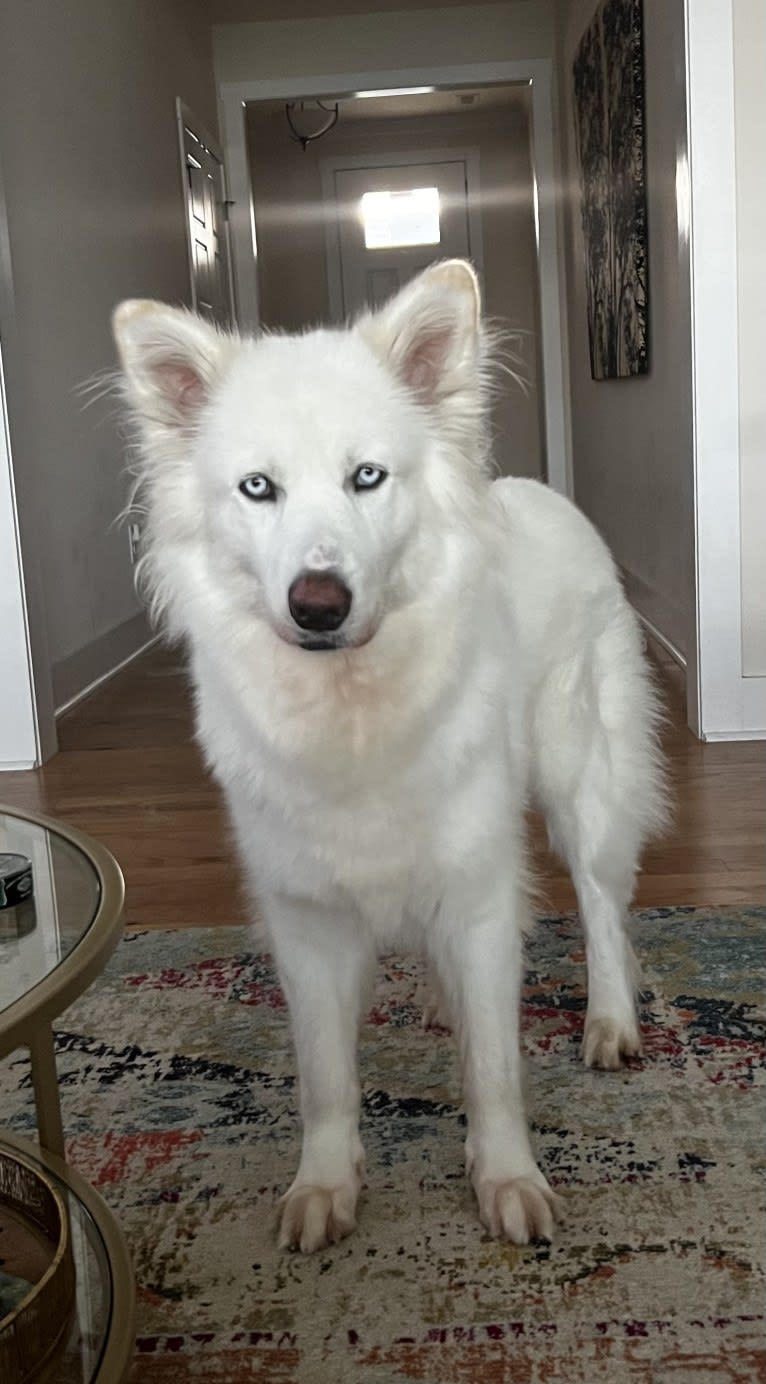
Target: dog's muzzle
[{"x": 319, "y": 602}]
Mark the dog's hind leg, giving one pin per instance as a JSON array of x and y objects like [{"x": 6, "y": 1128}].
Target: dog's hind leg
[
  {"x": 324, "y": 964},
  {"x": 599, "y": 781},
  {"x": 611, "y": 1023}
]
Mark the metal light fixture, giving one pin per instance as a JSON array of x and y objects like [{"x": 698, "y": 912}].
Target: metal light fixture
[{"x": 305, "y": 139}]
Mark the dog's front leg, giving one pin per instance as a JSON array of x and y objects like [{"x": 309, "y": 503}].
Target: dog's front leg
[
  {"x": 477, "y": 950},
  {"x": 324, "y": 964}
]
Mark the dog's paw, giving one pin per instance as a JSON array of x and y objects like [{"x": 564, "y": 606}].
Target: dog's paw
[
  {"x": 313, "y": 1217},
  {"x": 520, "y": 1209},
  {"x": 435, "y": 1015},
  {"x": 435, "y": 1011},
  {"x": 607, "y": 1042}
]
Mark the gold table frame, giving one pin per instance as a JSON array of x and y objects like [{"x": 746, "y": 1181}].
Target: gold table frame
[{"x": 28, "y": 1022}]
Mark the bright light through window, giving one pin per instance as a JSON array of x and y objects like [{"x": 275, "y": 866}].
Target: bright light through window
[{"x": 393, "y": 219}]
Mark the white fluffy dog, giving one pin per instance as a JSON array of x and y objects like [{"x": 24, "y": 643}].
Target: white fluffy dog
[{"x": 392, "y": 655}]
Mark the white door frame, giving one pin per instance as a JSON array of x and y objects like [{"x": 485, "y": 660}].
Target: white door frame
[
  {"x": 329, "y": 167},
  {"x": 27, "y": 713},
  {"x": 19, "y": 740},
  {"x": 723, "y": 703},
  {"x": 538, "y": 72}
]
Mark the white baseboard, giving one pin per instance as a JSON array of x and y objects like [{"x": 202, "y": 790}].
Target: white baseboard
[
  {"x": 10, "y": 766},
  {"x": 105, "y": 677},
  {"x": 723, "y": 735},
  {"x": 662, "y": 639},
  {"x": 661, "y": 617}
]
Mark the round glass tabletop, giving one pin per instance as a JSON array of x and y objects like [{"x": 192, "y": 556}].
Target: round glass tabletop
[{"x": 39, "y": 933}]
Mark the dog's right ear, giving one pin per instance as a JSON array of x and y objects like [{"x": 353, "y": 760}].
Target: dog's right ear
[{"x": 170, "y": 360}]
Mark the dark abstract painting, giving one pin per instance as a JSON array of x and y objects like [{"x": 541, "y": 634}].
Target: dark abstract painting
[{"x": 609, "y": 121}]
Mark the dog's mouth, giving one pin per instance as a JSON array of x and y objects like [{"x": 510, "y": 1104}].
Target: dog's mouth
[
  {"x": 322, "y": 644},
  {"x": 325, "y": 643}
]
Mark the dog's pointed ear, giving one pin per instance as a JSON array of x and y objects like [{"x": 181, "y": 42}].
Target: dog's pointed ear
[
  {"x": 429, "y": 332},
  {"x": 170, "y": 360}
]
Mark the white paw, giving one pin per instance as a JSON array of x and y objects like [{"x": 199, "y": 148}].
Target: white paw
[
  {"x": 434, "y": 1015},
  {"x": 435, "y": 1011},
  {"x": 313, "y": 1217},
  {"x": 520, "y": 1209},
  {"x": 607, "y": 1041}
]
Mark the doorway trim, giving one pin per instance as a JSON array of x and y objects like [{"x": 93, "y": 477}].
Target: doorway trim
[
  {"x": 27, "y": 696},
  {"x": 329, "y": 167},
  {"x": 538, "y": 73},
  {"x": 19, "y": 739},
  {"x": 723, "y": 703}
]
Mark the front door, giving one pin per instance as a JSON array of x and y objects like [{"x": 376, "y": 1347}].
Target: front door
[{"x": 393, "y": 221}]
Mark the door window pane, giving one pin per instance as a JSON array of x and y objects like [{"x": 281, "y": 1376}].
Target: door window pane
[{"x": 393, "y": 219}]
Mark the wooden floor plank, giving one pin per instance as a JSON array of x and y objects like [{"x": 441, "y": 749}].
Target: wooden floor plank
[{"x": 129, "y": 772}]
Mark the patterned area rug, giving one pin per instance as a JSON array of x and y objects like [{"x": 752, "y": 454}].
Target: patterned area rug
[{"x": 180, "y": 1102}]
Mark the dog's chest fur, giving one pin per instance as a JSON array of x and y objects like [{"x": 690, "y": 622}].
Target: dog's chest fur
[{"x": 379, "y": 825}]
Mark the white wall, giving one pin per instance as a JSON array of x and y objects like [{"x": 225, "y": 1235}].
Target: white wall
[
  {"x": 92, "y": 187},
  {"x": 750, "y": 135},
  {"x": 370, "y": 42},
  {"x": 632, "y": 439},
  {"x": 290, "y": 226}
]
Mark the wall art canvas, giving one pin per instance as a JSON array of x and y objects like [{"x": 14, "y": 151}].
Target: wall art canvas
[{"x": 609, "y": 123}]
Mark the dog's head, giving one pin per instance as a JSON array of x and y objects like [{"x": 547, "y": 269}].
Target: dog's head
[{"x": 300, "y": 475}]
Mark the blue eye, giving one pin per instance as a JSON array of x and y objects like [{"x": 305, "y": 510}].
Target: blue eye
[
  {"x": 368, "y": 477},
  {"x": 258, "y": 487}
]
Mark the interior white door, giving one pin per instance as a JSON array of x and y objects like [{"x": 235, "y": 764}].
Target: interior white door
[
  {"x": 204, "y": 183},
  {"x": 395, "y": 220}
]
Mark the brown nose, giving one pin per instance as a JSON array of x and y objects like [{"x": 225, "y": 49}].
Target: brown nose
[{"x": 319, "y": 601}]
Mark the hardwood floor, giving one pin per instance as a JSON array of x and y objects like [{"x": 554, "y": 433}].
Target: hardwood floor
[{"x": 129, "y": 773}]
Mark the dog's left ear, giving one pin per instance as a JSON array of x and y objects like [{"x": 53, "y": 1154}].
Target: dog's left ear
[{"x": 429, "y": 332}]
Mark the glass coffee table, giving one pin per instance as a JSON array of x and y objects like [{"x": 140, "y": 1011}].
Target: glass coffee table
[{"x": 48, "y": 957}]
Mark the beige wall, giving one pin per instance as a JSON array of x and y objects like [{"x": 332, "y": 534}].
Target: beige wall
[
  {"x": 750, "y": 134},
  {"x": 373, "y": 42},
  {"x": 290, "y": 228},
  {"x": 246, "y": 11},
  {"x": 632, "y": 439},
  {"x": 92, "y": 185}
]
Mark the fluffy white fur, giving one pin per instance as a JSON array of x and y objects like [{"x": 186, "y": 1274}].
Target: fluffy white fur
[{"x": 378, "y": 789}]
